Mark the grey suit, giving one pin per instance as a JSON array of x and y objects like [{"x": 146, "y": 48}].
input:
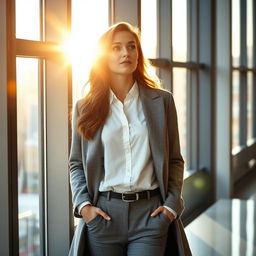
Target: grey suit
[{"x": 86, "y": 166}]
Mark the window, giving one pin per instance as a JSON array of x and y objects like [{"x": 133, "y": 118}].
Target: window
[
  {"x": 28, "y": 19},
  {"x": 149, "y": 28},
  {"x": 176, "y": 59},
  {"x": 179, "y": 30},
  {"x": 29, "y": 141},
  {"x": 236, "y": 32},
  {"x": 149, "y": 32},
  {"x": 84, "y": 38},
  {"x": 249, "y": 108},
  {"x": 29, "y": 171},
  {"x": 242, "y": 74},
  {"x": 180, "y": 84},
  {"x": 235, "y": 109},
  {"x": 38, "y": 86}
]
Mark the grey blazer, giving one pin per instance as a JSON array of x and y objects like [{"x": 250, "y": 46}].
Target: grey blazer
[{"x": 86, "y": 167}]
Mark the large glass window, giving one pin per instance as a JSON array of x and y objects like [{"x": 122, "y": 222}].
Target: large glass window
[
  {"x": 149, "y": 28},
  {"x": 34, "y": 91},
  {"x": 84, "y": 38},
  {"x": 179, "y": 30},
  {"x": 236, "y": 32},
  {"x": 249, "y": 107},
  {"x": 242, "y": 65},
  {"x": 235, "y": 109},
  {"x": 149, "y": 32},
  {"x": 249, "y": 33},
  {"x": 181, "y": 99},
  {"x": 28, "y": 155},
  {"x": 28, "y": 19},
  {"x": 179, "y": 81}
]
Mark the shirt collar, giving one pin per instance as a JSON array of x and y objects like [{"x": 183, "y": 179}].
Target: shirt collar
[{"x": 132, "y": 94}]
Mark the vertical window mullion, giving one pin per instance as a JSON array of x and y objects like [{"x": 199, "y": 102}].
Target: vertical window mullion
[
  {"x": 41, "y": 146},
  {"x": 171, "y": 50},
  {"x": 243, "y": 78},
  {"x": 192, "y": 84},
  {"x": 171, "y": 45},
  {"x": 254, "y": 73},
  {"x": 12, "y": 130}
]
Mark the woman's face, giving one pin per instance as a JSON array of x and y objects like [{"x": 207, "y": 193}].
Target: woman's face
[{"x": 123, "y": 56}]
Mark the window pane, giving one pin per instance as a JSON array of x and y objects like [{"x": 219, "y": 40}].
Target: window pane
[
  {"x": 84, "y": 38},
  {"x": 28, "y": 156},
  {"x": 235, "y": 109},
  {"x": 180, "y": 97},
  {"x": 28, "y": 19},
  {"x": 149, "y": 28},
  {"x": 249, "y": 106},
  {"x": 179, "y": 30},
  {"x": 236, "y": 32},
  {"x": 249, "y": 34}
]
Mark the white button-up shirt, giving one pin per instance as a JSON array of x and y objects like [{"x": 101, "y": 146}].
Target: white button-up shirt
[{"x": 128, "y": 162}]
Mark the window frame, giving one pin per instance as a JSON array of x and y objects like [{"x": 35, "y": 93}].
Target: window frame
[
  {"x": 199, "y": 91},
  {"x": 244, "y": 153},
  {"x": 50, "y": 188}
]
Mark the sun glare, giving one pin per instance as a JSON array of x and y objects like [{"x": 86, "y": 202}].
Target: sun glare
[
  {"x": 78, "y": 52},
  {"x": 89, "y": 20}
]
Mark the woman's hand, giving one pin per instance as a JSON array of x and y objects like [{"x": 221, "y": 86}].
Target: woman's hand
[
  {"x": 163, "y": 210},
  {"x": 90, "y": 212}
]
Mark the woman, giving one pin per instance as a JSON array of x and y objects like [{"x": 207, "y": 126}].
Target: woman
[{"x": 126, "y": 170}]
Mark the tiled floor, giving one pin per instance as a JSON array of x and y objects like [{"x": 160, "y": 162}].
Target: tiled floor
[{"x": 227, "y": 228}]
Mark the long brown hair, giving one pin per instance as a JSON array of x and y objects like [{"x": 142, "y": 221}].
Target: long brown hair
[{"x": 95, "y": 105}]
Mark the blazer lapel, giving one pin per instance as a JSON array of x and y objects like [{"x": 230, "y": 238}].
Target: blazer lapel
[{"x": 153, "y": 106}]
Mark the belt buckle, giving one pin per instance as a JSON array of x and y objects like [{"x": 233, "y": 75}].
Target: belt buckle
[{"x": 130, "y": 193}]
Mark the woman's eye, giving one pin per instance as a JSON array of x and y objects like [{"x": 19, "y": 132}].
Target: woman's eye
[
  {"x": 132, "y": 46},
  {"x": 116, "y": 48}
]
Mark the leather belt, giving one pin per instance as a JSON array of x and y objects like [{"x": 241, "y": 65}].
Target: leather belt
[{"x": 130, "y": 196}]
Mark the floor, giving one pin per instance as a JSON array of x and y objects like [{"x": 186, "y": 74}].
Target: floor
[{"x": 228, "y": 227}]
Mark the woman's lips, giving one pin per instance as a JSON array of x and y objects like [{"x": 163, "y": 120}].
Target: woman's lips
[{"x": 126, "y": 62}]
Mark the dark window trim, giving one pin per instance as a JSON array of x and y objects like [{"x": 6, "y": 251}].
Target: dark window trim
[{"x": 12, "y": 130}]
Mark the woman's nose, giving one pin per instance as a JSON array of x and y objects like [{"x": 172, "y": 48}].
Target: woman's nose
[{"x": 125, "y": 51}]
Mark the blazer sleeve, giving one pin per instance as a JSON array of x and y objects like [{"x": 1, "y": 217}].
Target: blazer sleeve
[
  {"x": 176, "y": 162},
  {"x": 77, "y": 173}
]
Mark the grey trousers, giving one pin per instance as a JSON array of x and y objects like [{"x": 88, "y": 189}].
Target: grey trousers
[{"x": 131, "y": 230}]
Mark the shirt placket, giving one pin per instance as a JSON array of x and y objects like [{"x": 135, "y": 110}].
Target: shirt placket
[{"x": 126, "y": 145}]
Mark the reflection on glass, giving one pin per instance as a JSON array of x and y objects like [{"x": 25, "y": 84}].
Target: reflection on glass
[
  {"x": 235, "y": 109},
  {"x": 88, "y": 23},
  {"x": 28, "y": 156},
  {"x": 180, "y": 97},
  {"x": 249, "y": 33},
  {"x": 28, "y": 19},
  {"x": 179, "y": 30},
  {"x": 149, "y": 28},
  {"x": 249, "y": 106},
  {"x": 236, "y": 232},
  {"x": 236, "y": 32}
]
